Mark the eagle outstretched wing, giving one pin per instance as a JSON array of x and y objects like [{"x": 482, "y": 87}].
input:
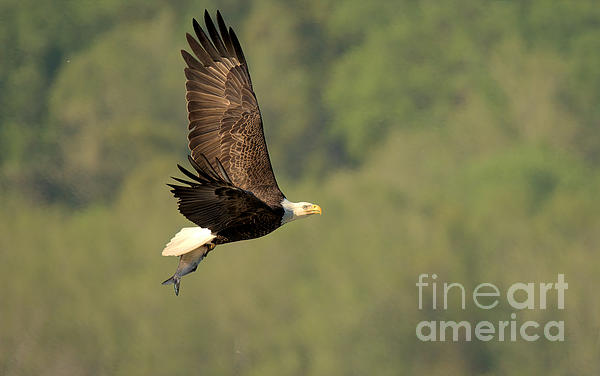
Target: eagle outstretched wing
[
  {"x": 224, "y": 118},
  {"x": 211, "y": 200}
]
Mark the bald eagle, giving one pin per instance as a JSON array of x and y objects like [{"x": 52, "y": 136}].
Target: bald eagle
[{"x": 232, "y": 194}]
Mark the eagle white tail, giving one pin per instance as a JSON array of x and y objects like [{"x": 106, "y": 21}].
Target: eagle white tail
[{"x": 187, "y": 240}]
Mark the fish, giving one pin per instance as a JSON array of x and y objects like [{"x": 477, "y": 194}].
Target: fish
[{"x": 188, "y": 263}]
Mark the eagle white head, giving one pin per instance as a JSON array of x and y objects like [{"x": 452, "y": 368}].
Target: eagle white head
[{"x": 296, "y": 210}]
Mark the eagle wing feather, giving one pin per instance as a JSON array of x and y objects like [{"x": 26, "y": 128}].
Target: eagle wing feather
[
  {"x": 224, "y": 119},
  {"x": 211, "y": 200}
]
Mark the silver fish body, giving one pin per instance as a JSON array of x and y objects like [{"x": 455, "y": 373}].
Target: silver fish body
[{"x": 188, "y": 263}]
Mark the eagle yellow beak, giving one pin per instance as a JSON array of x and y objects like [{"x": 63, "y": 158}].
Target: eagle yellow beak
[{"x": 316, "y": 209}]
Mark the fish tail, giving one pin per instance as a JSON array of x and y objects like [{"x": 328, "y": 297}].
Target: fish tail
[{"x": 175, "y": 280}]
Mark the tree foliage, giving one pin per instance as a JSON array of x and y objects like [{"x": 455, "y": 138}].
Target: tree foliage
[{"x": 457, "y": 138}]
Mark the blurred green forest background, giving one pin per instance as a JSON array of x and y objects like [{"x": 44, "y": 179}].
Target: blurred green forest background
[{"x": 459, "y": 138}]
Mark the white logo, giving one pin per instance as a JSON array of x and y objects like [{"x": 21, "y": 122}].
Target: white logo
[{"x": 487, "y": 296}]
